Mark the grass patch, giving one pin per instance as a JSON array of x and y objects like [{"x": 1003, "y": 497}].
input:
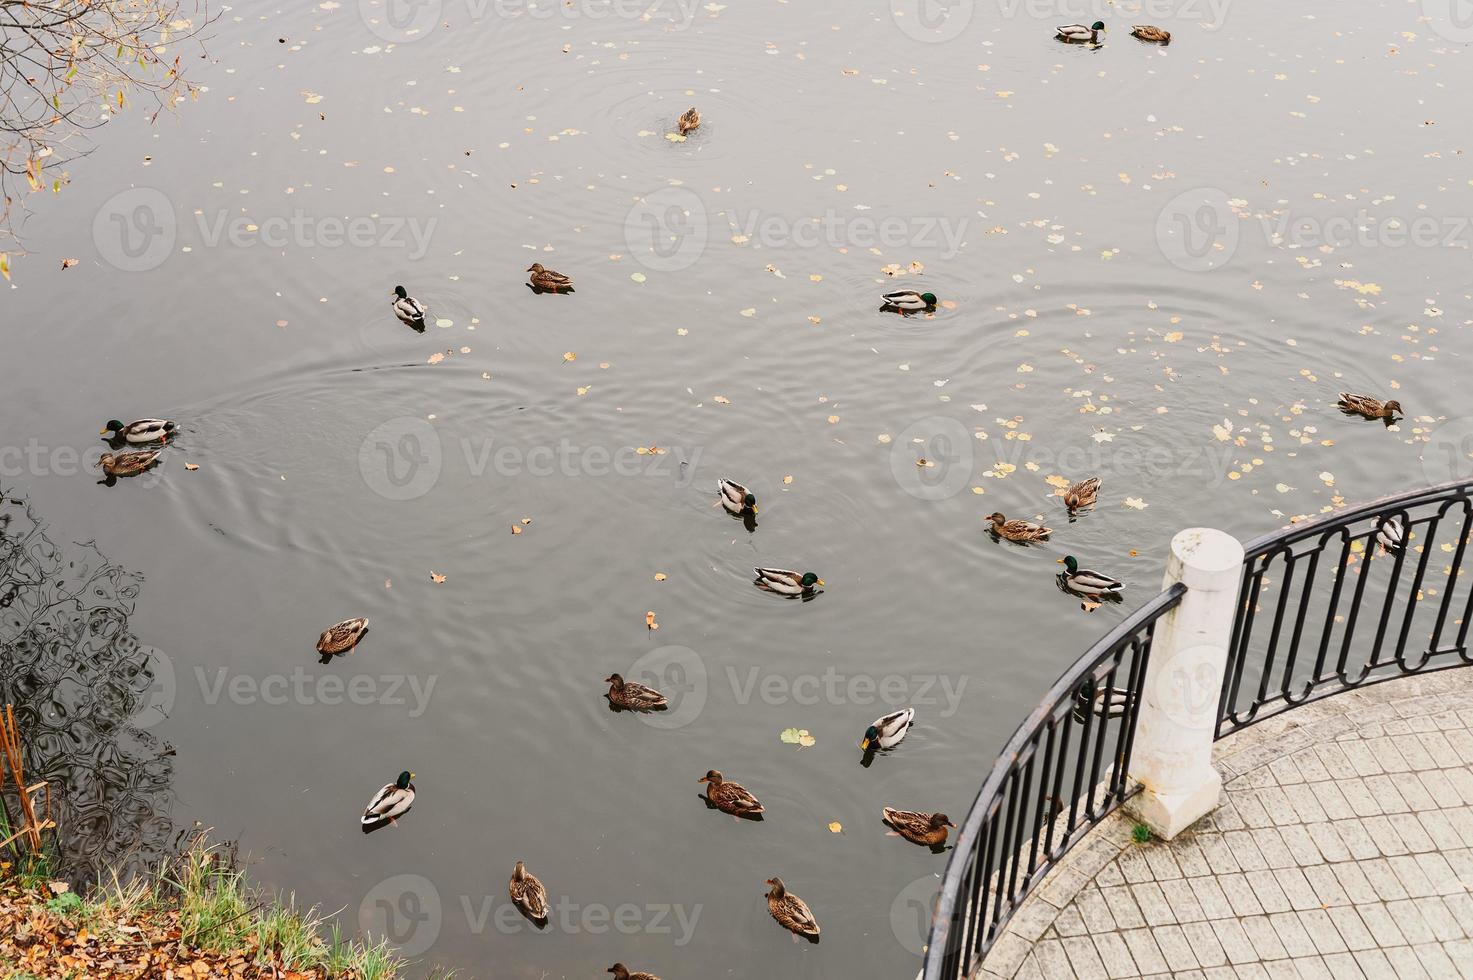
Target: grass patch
[
  {"x": 195, "y": 913},
  {"x": 1141, "y": 834}
]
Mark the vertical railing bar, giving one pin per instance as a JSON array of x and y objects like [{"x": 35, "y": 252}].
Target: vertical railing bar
[
  {"x": 1022, "y": 786},
  {"x": 1008, "y": 857},
  {"x": 1042, "y": 808},
  {"x": 1237, "y": 651},
  {"x": 1413, "y": 594},
  {"x": 1305, "y": 591},
  {"x": 1329, "y": 631},
  {"x": 1290, "y": 560},
  {"x": 1068, "y": 722},
  {"x": 1253, "y": 586},
  {"x": 1139, "y": 687},
  {"x": 1452, "y": 579},
  {"x": 1360, "y": 589},
  {"x": 1388, "y": 601},
  {"x": 1127, "y": 721},
  {"x": 1101, "y": 736}
]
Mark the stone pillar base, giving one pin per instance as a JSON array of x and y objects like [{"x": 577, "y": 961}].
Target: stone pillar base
[{"x": 1169, "y": 814}]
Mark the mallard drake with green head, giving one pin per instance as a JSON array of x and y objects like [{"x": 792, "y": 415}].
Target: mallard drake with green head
[
  {"x": 139, "y": 432},
  {"x": 1082, "y": 494},
  {"x": 408, "y": 309},
  {"x": 928, "y": 829},
  {"x": 785, "y": 582},
  {"x": 552, "y": 282},
  {"x": 689, "y": 119},
  {"x": 621, "y": 972},
  {"x": 790, "y": 911},
  {"x": 1368, "y": 407},
  {"x": 1019, "y": 530},
  {"x": 887, "y": 731},
  {"x": 342, "y": 637},
  {"x": 908, "y": 301},
  {"x": 633, "y": 696},
  {"x": 735, "y": 498},
  {"x": 1079, "y": 34},
  {"x": 1086, "y": 582},
  {"x": 390, "y": 803},
  {"x": 729, "y": 797},
  {"x": 1147, "y": 32},
  {"x": 132, "y": 463},
  {"x": 527, "y": 893}
]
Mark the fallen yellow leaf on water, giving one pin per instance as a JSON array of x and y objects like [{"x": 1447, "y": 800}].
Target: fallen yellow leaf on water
[
  {"x": 676, "y": 137},
  {"x": 191, "y": 466},
  {"x": 787, "y": 480},
  {"x": 584, "y": 390},
  {"x": 515, "y": 529},
  {"x": 721, "y": 400},
  {"x": 1173, "y": 337},
  {"x": 1136, "y": 503},
  {"x": 436, "y": 577},
  {"x": 569, "y": 356},
  {"x": 526, "y": 520},
  {"x": 833, "y": 420},
  {"x": 436, "y": 358},
  {"x": 68, "y": 263},
  {"x": 649, "y": 620},
  {"x": 836, "y": 828},
  {"x": 660, "y": 576}
]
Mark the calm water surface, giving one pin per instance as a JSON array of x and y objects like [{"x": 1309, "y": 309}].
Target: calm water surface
[{"x": 1159, "y": 265}]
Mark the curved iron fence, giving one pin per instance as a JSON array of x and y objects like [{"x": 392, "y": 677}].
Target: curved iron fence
[
  {"x": 1309, "y": 591},
  {"x": 1361, "y": 596},
  {"x": 1051, "y": 785}
]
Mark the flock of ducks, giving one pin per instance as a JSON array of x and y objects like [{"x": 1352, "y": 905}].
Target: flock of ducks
[{"x": 527, "y": 892}]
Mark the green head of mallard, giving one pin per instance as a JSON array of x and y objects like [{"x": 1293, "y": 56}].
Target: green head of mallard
[
  {"x": 809, "y": 579},
  {"x": 403, "y": 781},
  {"x": 1071, "y": 563},
  {"x": 1098, "y": 25},
  {"x": 929, "y": 298},
  {"x": 113, "y": 428},
  {"x": 871, "y": 737},
  {"x": 750, "y": 502},
  {"x": 401, "y": 292}
]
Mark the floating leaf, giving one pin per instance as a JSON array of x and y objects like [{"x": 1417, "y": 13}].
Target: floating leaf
[
  {"x": 191, "y": 466},
  {"x": 649, "y": 620},
  {"x": 437, "y": 578},
  {"x": 569, "y": 356},
  {"x": 836, "y": 828},
  {"x": 660, "y": 576}
]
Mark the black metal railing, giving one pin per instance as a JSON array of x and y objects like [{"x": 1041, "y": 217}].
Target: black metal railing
[
  {"x": 1062, "y": 772},
  {"x": 1362, "y": 596}
]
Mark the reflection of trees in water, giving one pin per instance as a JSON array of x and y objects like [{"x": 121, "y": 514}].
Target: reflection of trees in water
[{"x": 82, "y": 685}]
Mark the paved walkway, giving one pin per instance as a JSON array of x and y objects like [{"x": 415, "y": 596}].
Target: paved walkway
[{"x": 1343, "y": 849}]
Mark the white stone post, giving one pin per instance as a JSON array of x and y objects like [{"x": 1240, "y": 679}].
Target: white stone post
[{"x": 1172, "y": 753}]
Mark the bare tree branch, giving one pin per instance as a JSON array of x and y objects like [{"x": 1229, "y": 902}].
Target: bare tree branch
[{"x": 67, "y": 67}]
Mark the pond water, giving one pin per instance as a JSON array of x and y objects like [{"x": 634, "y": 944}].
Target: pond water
[{"x": 1159, "y": 265}]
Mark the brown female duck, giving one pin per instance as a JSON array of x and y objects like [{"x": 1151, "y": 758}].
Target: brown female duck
[
  {"x": 928, "y": 829},
  {"x": 731, "y": 798},
  {"x": 1023, "y": 531},
  {"x": 790, "y": 911},
  {"x": 633, "y": 696}
]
